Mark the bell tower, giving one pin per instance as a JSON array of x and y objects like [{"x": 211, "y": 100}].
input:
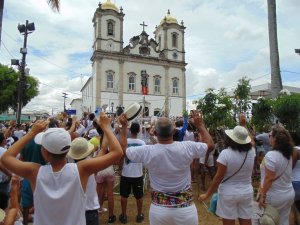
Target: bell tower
[{"x": 108, "y": 27}]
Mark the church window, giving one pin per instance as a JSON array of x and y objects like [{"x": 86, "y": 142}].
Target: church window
[
  {"x": 175, "y": 82},
  {"x": 157, "y": 84},
  {"x": 110, "y": 28},
  {"x": 109, "y": 80},
  {"x": 131, "y": 82},
  {"x": 174, "y": 40}
]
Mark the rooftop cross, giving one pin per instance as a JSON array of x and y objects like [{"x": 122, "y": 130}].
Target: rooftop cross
[{"x": 144, "y": 25}]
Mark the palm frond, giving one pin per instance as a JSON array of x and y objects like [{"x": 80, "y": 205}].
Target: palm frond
[{"x": 54, "y": 4}]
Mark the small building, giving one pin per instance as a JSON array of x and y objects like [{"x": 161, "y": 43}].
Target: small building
[{"x": 76, "y": 104}]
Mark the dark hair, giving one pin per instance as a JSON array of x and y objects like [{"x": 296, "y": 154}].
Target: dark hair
[
  {"x": 53, "y": 123},
  {"x": 92, "y": 116},
  {"x": 236, "y": 146},
  {"x": 296, "y": 137},
  {"x": 1, "y": 138},
  {"x": 135, "y": 128},
  {"x": 58, "y": 156},
  {"x": 283, "y": 141},
  {"x": 179, "y": 123},
  {"x": 176, "y": 136},
  {"x": 98, "y": 128}
]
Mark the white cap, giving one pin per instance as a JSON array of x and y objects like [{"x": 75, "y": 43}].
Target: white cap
[
  {"x": 54, "y": 140},
  {"x": 93, "y": 133}
]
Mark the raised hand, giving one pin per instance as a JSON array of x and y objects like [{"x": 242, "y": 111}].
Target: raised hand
[
  {"x": 104, "y": 121},
  {"x": 197, "y": 118},
  {"x": 39, "y": 126},
  {"x": 123, "y": 120},
  {"x": 243, "y": 121}
]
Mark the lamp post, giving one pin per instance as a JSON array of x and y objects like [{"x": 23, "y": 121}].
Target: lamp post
[
  {"x": 112, "y": 107},
  {"x": 24, "y": 29},
  {"x": 64, "y": 96},
  {"x": 297, "y": 51}
]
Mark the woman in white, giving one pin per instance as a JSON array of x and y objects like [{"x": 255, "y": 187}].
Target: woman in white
[
  {"x": 233, "y": 177},
  {"x": 168, "y": 164},
  {"x": 276, "y": 174}
]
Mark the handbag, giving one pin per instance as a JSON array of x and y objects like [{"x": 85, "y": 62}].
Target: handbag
[{"x": 264, "y": 216}]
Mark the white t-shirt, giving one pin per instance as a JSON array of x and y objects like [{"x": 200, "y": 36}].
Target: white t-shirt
[
  {"x": 3, "y": 176},
  {"x": 296, "y": 170},
  {"x": 19, "y": 133},
  {"x": 210, "y": 161},
  {"x": 240, "y": 183},
  {"x": 131, "y": 168},
  {"x": 276, "y": 162},
  {"x": 189, "y": 136},
  {"x": 168, "y": 164}
]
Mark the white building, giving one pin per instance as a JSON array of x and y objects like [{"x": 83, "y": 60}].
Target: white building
[
  {"x": 76, "y": 104},
  {"x": 117, "y": 69}
]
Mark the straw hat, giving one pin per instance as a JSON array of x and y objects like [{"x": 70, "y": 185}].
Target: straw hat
[
  {"x": 133, "y": 110},
  {"x": 2, "y": 215},
  {"x": 80, "y": 148},
  {"x": 239, "y": 135}
]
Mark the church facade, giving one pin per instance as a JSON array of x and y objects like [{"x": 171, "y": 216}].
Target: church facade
[{"x": 150, "y": 71}]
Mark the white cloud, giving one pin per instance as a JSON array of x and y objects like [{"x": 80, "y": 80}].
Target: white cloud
[{"x": 225, "y": 40}]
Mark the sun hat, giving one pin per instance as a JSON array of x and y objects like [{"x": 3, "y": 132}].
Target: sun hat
[
  {"x": 93, "y": 133},
  {"x": 239, "y": 135},
  {"x": 2, "y": 215},
  {"x": 54, "y": 140},
  {"x": 80, "y": 148},
  {"x": 133, "y": 110}
]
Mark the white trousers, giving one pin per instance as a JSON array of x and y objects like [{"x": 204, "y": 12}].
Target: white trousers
[{"x": 173, "y": 216}]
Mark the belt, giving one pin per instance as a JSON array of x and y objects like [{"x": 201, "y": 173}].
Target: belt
[{"x": 179, "y": 199}]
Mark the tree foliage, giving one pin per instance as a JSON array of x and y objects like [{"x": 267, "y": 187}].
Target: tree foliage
[
  {"x": 262, "y": 113},
  {"x": 287, "y": 109},
  {"x": 216, "y": 108},
  {"x": 9, "y": 88},
  {"x": 242, "y": 96}
]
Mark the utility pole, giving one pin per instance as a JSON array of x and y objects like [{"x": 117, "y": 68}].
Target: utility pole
[
  {"x": 25, "y": 30},
  {"x": 1, "y": 17},
  {"x": 64, "y": 96}
]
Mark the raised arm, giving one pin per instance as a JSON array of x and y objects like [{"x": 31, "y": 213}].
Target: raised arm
[
  {"x": 205, "y": 136},
  {"x": 23, "y": 169},
  {"x": 123, "y": 137},
  {"x": 88, "y": 167}
]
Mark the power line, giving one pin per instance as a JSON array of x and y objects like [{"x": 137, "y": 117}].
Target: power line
[{"x": 7, "y": 49}]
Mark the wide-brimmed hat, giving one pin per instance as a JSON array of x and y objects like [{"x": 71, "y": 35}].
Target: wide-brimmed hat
[
  {"x": 239, "y": 135},
  {"x": 2, "y": 215},
  {"x": 133, "y": 110},
  {"x": 54, "y": 140},
  {"x": 80, "y": 148}
]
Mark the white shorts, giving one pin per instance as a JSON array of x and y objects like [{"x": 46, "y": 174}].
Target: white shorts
[
  {"x": 173, "y": 216},
  {"x": 232, "y": 207}
]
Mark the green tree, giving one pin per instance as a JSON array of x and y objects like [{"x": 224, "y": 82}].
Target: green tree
[
  {"x": 287, "y": 109},
  {"x": 216, "y": 108},
  {"x": 9, "y": 88},
  {"x": 262, "y": 113},
  {"x": 242, "y": 96}
]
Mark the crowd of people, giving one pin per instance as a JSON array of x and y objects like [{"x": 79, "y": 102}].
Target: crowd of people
[{"x": 62, "y": 170}]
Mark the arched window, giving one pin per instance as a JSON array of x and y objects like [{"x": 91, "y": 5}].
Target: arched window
[
  {"x": 157, "y": 84},
  {"x": 175, "y": 86},
  {"x": 109, "y": 80},
  {"x": 131, "y": 82},
  {"x": 174, "y": 40},
  {"x": 110, "y": 28}
]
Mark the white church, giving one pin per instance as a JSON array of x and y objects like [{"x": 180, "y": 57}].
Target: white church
[{"x": 150, "y": 71}]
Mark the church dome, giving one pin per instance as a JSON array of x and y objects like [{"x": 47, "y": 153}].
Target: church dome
[
  {"x": 168, "y": 19},
  {"x": 109, "y": 5}
]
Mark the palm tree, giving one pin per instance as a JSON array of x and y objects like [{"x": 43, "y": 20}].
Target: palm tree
[
  {"x": 276, "y": 82},
  {"x": 54, "y": 4}
]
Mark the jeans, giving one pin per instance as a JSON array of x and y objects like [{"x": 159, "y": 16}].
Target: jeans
[{"x": 91, "y": 217}]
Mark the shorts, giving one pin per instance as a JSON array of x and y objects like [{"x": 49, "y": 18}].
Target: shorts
[
  {"x": 232, "y": 207},
  {"x": 92, "y": 217},
  {"x": 296, "y": 186},
  {"x": 4, "y": 194},
  {"x": 173, "y": 216},
  {"x": 101, "y": 179},
  {"x": 26, "y": 194},
  {"x": 134, "y": 183}
]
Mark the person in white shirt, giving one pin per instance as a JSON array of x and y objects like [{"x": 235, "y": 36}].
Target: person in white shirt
[
  {"x": 276, "y": 174},
  {"x": 233, "y": 177},
  {"x": 168, "y": 165},
  {"x": 81, "y": 149},
  {"x": 59, "y": 187},
  {"x": 132, "y": 176}
]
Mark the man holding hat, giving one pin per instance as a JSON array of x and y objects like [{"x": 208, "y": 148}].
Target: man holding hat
[{"x": 60, "y": 187}]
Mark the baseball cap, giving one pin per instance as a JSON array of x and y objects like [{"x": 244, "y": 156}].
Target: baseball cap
[{"x": 54, "y": 140}]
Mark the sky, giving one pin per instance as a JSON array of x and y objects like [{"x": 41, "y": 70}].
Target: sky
[{"x": 225, "y": 40}]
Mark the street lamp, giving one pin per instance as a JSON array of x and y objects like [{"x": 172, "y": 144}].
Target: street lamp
[
  {"x": 297, "y": 51},
  {"x": 112, "y": 107},
  {"x": 24, "y": 29}
]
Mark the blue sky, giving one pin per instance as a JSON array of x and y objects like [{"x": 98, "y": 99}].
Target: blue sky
[{"x": 225, "y": 40}]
